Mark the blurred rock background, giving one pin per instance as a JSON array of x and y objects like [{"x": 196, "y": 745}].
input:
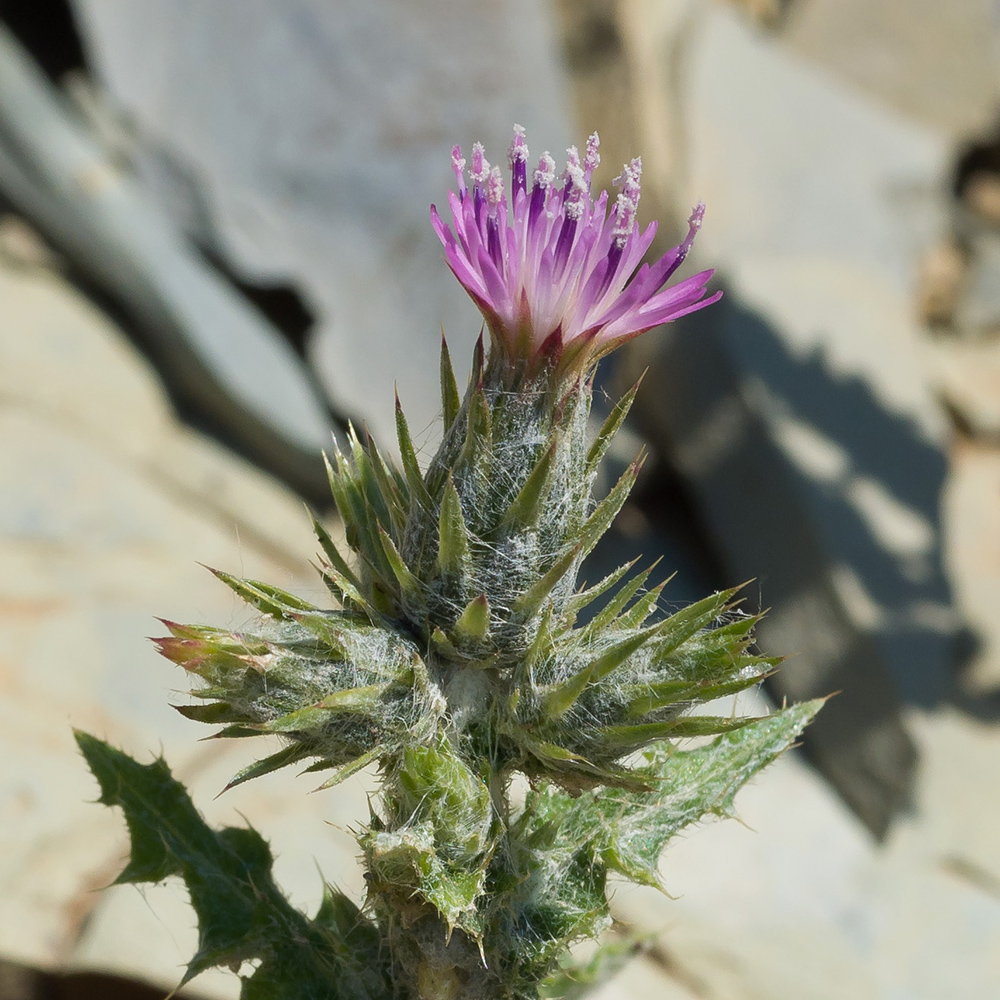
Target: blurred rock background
[{"x": 214, "y": 249}]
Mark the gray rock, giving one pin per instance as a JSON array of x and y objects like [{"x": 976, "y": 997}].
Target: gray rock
[
  {"x": 106, "y": 505},
  {"x": 967, "y": 376},
  {"x": 219, "y": 354},
  {"x": 797, "y": 409},
  {"x": 934, "y": 62},
  {"x": 972, "y": 517},
  {"x": 977, "y": 314},
  {"x": 320, "y": 135}
]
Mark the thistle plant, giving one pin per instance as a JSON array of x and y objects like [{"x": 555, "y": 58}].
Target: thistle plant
[{"x": 463, "y": 653}]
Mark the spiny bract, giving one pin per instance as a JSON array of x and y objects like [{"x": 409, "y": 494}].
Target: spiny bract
[
  {"x": 456, "y": 660},
  {"x": 458, "y": 619}
]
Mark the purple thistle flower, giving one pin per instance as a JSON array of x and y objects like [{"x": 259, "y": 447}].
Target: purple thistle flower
[{"x": 554, "y": 274}]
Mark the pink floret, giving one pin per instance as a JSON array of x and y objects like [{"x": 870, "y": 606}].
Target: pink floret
[{"x": 553, "y": 273}]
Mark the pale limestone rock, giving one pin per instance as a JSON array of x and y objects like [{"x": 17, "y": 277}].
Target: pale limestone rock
[
  {"x": 106, "y": 507},
  {"x": 967, "y": 375},
  {"x": 972, "y": 547},
  {"x": 644, "y": 977},
  {"x": 934, "y": 62},
  {"x": 797, "y": 409},
  {"x": 309, "y": 837},
  {"x": 791, "y": 162}
]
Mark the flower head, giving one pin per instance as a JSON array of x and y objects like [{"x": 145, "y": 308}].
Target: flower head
[{"x": 555, "y": 274}]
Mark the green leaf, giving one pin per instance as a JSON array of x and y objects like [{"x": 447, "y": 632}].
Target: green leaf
[
  {"x": 408, "y": 583},
  {"x": 338, "y": 576},
  {"x": 214, "y": 714},
  {"x": 478, "y": 359},
  {"x": 356, "y": 699},
  {"x": 293, "y": 754},
  {"x": 642, "y": 609},
  {"x": 242, "y": 914},
  {"x": 688, "y": 785},
  {"x": 407, "y": 861},
  {"x": 682, "y": 625},
  {"x": 358, "y": 764},
  {"x": 606, "y": 615},
  {"x": 643, "y": 733},
  {"x": 586, "y": 596},
  {"x": 478, "y": 444},
  {"x": 395, "y": 499},
  {"x": 377, "y": 503},
  {"x": 661, "y": 694},
  {"x": 350, "y": 501}
]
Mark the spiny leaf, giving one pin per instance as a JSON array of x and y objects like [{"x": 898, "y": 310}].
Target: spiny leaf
[
  {"x": 557, "y": 698},
  {"x": 333, "y": 554},
  {"x": 450, "y": 400},
  {"x": 444, "y": 645},
  {"x": 642, "y": 609},
  {"x": 526, "y": 506},
  {"x": 407, "y": 862},
  {"x": 478, "y": 358},
  {"x": 241, "y": 913},
  {"x": 330, "y": 627},
  {"x": 200, "y": 632},
  {"x": 396, "y": 499},
  {"x": 552, "y": 752},
  {"x": 355, "y": 699},
  {"x": 665, "y": 693},
  {"x": 683, "y": 624},
  {"x": 453, "y": 535},
  {"x": 359, "y": 520},
  {"x": 540, "y": 645},
  {"x": 342, "y": 588},
  {"x": 474, "y": 622},
  {"x": 214, "y": 714},
  {"x": 301, "y": 720},
  {"x": 610, "y": 428},
  {"x": 619, "y": 652},
  {"x": 358, "y": 764},
  {"x": 377, "y": 503},
  {"x": 692, "y": 783},
  {"x": 479, "y": 433}
]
